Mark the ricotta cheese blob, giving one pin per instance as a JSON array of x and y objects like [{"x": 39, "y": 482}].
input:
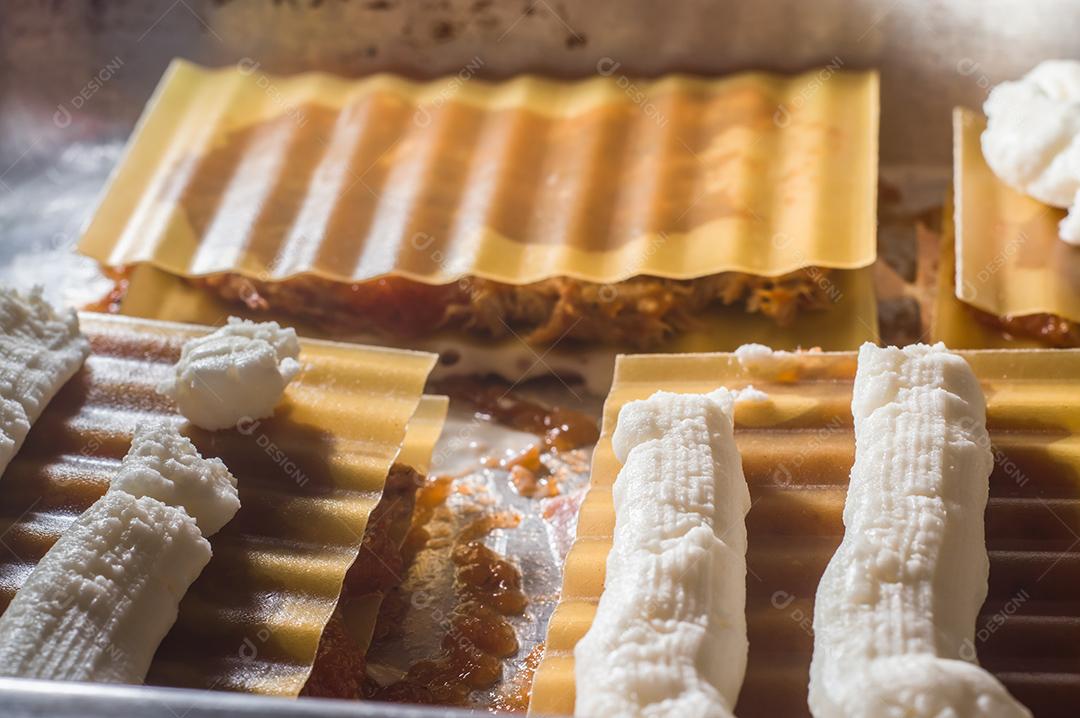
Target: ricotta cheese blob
[
  {"x": 238, "y": 372},
  {"x": 1032, "y": 137},
  {"x": 40, "y": 350},
  {"x": 768, "y": 363},
  {"x": 895, "y": 611},
  {"x": 669, "y": 637},
  {"x": 166, "y": 466}
]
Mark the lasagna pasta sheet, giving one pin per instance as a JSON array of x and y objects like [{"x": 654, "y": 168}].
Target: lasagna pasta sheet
[
  {"x": 235, "y": 170},
  {"x": 797, "y": 448},
  {"x": 1009, "y": 259},
  {"x": 424, "y": 429},
  {"x": 952, "y": 321},
  {"x": 308, "y": 478}
]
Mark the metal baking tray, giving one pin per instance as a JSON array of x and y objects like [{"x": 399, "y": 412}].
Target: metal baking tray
[{"x": 74, "y": 77}]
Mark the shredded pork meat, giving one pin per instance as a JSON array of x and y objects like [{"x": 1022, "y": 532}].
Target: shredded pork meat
[{"x": 640, "y": 312}]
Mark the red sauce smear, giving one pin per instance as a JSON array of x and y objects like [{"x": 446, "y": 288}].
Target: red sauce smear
[
  {"x": 559, "y": 428},
  {"x": 110, "y": 302},
  {"x": 478, "y": 636},
  {"x": 488, "y": 588},
  {"x": 515, "y": 699}
]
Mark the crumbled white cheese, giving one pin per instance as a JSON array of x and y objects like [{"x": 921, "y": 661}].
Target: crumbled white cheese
[
  {"x": 765, "y": 362},
  {"x": 751, "y": 395},
  {"x": 40, "y": 350},
  {"x": 238, "y": 372},
  {"x": 1032, "y": 138},
  {"x": 669, "y": 636},
  {"x": 894, "y": 616},
  {"x": 165, "y": 465},
  {"x": 98, "y": 604},
  {"x": 750, "y": 355}
]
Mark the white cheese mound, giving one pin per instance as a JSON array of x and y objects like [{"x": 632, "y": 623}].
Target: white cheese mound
[
  {"x": 750, "y": 395},
  {"x": 100, "y": 601},
  {"x": 669, "y": 636},
  {"x": 165, "y": 465},
  {"x": 40, "y": 350},
  {"x": 894, "y": 617},
  {"x": 238, "y": 372},
  {"x": 766, "y": 362},
  {"x": 1032, "y": 138}
]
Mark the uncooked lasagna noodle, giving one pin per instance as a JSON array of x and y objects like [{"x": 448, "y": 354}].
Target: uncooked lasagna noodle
[
  {"x": 362, "y": 607},
  {"x": 516, "y": 182},
  {"x": 797, "y": 449},
  {"x": 958, "y": 324},
  {"x": 308, "y": 478},
  {"x": 1009, "y": 259}
]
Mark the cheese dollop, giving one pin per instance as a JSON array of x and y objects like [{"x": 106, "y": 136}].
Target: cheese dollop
[
  {"x": 1032, "y": 138},
  {"x": 770, "y": 364},
  {"x": 238, "y": 372}
]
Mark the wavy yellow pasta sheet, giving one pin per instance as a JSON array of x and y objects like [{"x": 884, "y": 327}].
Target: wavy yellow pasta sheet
[
  {"x": 953, "y": 321},
  {"x": 308, "y": 478},
  {"x": 233, "y": 170},
  {"x": 1009, "y": 259}
]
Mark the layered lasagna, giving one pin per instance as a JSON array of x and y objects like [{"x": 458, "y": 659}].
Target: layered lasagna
[{"x": 531, "y": 208}]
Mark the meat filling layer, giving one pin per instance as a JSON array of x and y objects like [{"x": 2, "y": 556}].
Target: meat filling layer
[
  {"x": 640, "y": 312},
  {"x": 1050, "y": 329}
]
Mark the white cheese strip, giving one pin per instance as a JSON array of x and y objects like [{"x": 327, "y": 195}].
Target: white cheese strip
[
  {"x": 165, "y": 465},
  {"x": 669, "y": 636},
  {"x": 894, "y": 617},
  {"x": 99, "y": 602},
  {"x": 40, "y": 350},
  {"x": 238, "y": 372}
]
